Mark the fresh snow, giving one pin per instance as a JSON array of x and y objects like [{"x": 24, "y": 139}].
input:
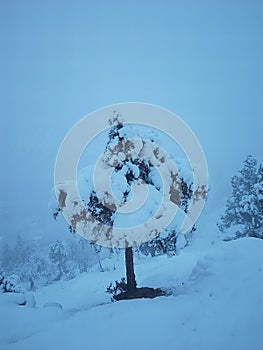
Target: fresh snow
[{"x": 216, "y": 302}]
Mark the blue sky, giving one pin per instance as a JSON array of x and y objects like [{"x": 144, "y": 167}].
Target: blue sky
[{"x": 61, "y": 60}]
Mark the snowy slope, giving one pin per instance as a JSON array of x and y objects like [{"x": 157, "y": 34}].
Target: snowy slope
[{"x": 216, "y": 303}]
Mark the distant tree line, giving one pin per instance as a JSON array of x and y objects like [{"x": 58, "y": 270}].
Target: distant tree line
[{"x": 32, "y": 266}]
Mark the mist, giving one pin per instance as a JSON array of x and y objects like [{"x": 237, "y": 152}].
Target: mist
[{"x": 62, "y": 60}]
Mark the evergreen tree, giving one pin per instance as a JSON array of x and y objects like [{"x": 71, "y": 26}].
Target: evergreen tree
[
  {"x": 58, "y": 256},
  {"x": 38, "y": 270},
  {"x": 7, "y": 257},
  {"x": 244, "y": 207},
  {"x": 22, "y": 251},
  {"x": 80, "y": 251},
  {"x": 259, "y": 191}
]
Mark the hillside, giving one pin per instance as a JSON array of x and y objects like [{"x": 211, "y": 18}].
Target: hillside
[{"x": 216, "y": 302}]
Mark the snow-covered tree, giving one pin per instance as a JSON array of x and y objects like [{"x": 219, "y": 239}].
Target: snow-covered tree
[
  {"x": 131, "y": 161},
  {"x": 58, "y": 256},
  {"x": 2, "y": 279},
  {"x": 7, "y": 257},
  {"x": 259, "y": 191},
  {"x": 106, "y": 215},
  {"x": 9, "y": 284},
  {"x": 244, "y": 206},
  {"x": 38, "y": 267},
  {"x": 39, "y": 270},
  {"x": 80, "y": 251},
  {"x": 23, "y": 250}
]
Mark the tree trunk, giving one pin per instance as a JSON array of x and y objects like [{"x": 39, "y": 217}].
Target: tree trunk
[
  {"x": 130, "y": 276},
  {"x": 132, "y": 292}
]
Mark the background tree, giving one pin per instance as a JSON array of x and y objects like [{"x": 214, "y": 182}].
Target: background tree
[
  {"x": 259, "y": 191},
  {"x": 58, "y": 255},
  {"x": 244, "y": 206},
  {"x": 7, "y": 257}
]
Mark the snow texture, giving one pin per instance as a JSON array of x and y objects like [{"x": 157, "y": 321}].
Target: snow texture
[{"x": 216, "y": 302}]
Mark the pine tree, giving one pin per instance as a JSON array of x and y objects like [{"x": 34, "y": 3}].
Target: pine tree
[
  {"x": 259, "y": 191},
  {"x": 8, "y": 257},
  {"x": 22, "y": 250},
  {"x": 59, "y": 257},
  {"x": 244, "y": 207}
]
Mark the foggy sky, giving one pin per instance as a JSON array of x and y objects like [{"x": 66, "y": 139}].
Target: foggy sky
[{"x": 61, "y": 60}]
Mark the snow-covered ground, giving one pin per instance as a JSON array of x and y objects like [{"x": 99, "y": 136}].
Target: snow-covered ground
[{"x": 216, "y": 303}]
